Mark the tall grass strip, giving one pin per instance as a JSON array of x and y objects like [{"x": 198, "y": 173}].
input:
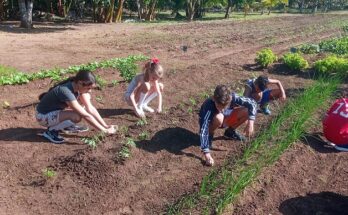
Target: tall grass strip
[{"x": 221, "y": 187}]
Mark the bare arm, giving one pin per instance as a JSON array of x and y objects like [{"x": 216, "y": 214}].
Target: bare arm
[
  {"x": 74, "y": 105},
  {"x": 86, "y": 100},
  {"x": 280, "y": 86},
  {"x": 159, "y": 92}
]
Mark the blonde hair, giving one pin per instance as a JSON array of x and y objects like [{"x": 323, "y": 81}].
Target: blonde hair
[{"x": 152, "y": 67}]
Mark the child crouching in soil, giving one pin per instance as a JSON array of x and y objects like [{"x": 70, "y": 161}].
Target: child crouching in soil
[
  {"x": 259, "y": 90},
  {"x": 335, "y": 125},
  {"x": 145, "y": 87},
  {"x": 225, "y": 109}
]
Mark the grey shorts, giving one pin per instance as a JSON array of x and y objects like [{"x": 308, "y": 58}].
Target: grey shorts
[{"x": 49, "y": 119}]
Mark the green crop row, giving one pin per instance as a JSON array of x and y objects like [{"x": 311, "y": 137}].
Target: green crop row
[{"x": 126, "y": 66}]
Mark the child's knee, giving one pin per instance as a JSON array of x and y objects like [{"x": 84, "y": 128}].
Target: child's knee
[{"x": 76, "y": 118}]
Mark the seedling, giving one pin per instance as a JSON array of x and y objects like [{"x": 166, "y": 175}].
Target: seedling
[
  {"x": 99, "y": 99},
  {"x": 141, "y": 122},
  {"x": 100, "y": 82},
  {"x": 94, "y": 140},
  {"x": 48, "y": 173},
  {"x": 193, "y": 101},
  {"x": 204, "y": 95},
  {"x": 124, "y": 130},
  {"x": 114, "y": 83},
  {"x": 190, "y": 110},
  {"x": 129, "y": 142},
  {"x": 124, "y": 153},
  {"x": 144, "y": 135}
]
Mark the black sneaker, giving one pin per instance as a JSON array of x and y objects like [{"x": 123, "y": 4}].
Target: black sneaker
[
  {"x": 233, "y": 134},
  {"x": 53, "y": 136},
  {"x": 75, "y": 129}
]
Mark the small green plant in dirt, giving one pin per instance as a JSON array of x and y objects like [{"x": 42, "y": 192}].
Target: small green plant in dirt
[
  {"x": 204, "y": 95},
  {"x": 295, "y": 61},
  {"x": 141, "y": 122},
  {"x": 48, "y": 173},
  {"x": 265, "y": 57},
  {"x": 129, "y": 142},
  {"x": 114, "y": 83},
  {"x": 124, "y": 153},
  {"x": 124, "y": 130},
  {"x": 309, "y": 49},
  {"x": 337, "y": 45},
  {"x": 190, "y": 110},
  {"x": 99, "y": 99},
  {"x": 332, "y": 64},
  {"x": 94, "y": 140},
  {"x": 144, "y": 135},
  {"x": 101, "y": 83},
  {"x": 193, "y": 101}
]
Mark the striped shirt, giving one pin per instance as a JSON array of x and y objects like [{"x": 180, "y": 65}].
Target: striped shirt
[{"x": 208, "y": 111}]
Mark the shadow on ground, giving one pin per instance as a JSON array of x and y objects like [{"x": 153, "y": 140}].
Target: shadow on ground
[
  {"x": 316, "y": 141},
  {"x": 173, "y": 140},
  {"x": 324, "y": 203}
]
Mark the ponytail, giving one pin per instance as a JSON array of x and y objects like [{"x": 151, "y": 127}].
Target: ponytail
[
  {"x": 57, "y": 84},
  {"x": 82, "y": 75}
]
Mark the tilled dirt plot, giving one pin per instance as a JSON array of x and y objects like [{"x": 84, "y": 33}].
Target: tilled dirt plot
[{"x": 168, "y": 163}]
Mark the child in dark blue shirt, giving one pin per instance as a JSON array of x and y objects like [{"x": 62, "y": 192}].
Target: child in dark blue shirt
[
  {"x": 258, "y": 89},
  {"x": 225, "y": 109}
]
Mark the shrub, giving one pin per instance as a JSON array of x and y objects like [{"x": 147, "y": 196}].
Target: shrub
[
  {"x": 295, "y": 61},
  {"x": 332, "y": 64},
  {"x": 337, "y": 45},
  {"x": 309, "y": 49},
  {"x": 265, "y": 57}
]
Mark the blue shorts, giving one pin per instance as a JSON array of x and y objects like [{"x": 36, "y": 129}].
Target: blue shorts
[{"x": 265, "y": 96}]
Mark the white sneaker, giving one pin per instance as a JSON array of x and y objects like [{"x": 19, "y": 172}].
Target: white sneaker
[{"x": 148, "y": 109}]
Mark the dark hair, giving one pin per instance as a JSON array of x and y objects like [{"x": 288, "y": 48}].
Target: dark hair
[
  {"x": 83, "y": 75},
  {"x": 262, "y": 82},
  {"x": 222, "y": 94}
]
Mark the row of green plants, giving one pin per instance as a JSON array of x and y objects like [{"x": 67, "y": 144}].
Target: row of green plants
[
  {"x": 295, "y": 61},
  {"x": 126, "y": 66},
  {"x": 221, "y": 186}
]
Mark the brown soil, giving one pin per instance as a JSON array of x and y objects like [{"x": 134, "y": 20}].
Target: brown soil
[{"x": 168, "y": 163}]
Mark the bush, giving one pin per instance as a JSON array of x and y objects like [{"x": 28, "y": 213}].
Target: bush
[
  {"x": 332, "y": 64},
  {"x": 309, "y": 49},
  {"x": 295, "y": 61},
  {"x": 265, "y": 57},
  {"x": 337, "y": 45}
]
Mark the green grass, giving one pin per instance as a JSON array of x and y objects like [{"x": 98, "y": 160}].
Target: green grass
[{"x": 221, "y": 186}]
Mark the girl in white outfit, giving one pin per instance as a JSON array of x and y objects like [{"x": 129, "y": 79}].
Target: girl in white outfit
[{"x": 145, "y": 87}]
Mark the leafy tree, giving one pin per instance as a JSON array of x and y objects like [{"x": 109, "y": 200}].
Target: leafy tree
[{"x": 269, "y": 4}]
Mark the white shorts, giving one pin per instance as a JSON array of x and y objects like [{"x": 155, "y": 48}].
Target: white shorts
[{"x": 49, "y": 119}]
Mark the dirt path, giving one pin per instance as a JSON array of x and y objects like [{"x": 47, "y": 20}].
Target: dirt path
[{"x": 167, "y": 164}]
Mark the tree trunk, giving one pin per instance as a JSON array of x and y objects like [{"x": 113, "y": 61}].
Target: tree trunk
[
  {"x": 67, "y": 6},
  {"x": 119, "y": 11},
  {"x": 26, "y": 12},
  {"x": 110, "y": 12},
  {"x": 190, "y": 9},
  {"x": 301, "y": 4},
  {"x": 140, "y": 6},
  {"x": 229, "y": 6},
  {"x": 2, "y": 11},
  {"x": 151, "y": 12}
]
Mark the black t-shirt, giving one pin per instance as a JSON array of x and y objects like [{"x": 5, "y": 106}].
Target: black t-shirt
[{"x": 56, "y": 98}]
